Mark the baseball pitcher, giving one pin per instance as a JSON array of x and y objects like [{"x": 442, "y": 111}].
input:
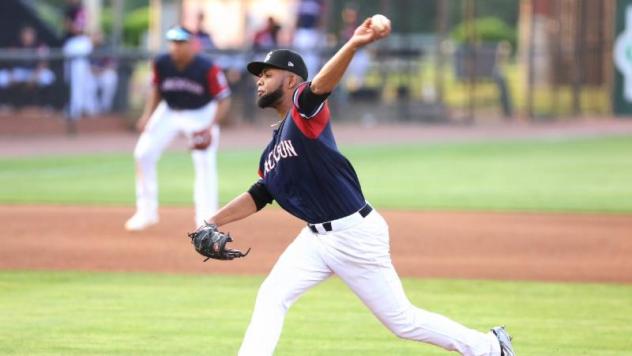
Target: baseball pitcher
[{"x": 305, "y": 173}]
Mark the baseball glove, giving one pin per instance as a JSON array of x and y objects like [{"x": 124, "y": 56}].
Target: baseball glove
[
  {"x": 211, "y": 243},
  {"x": 200, "y": 140}
]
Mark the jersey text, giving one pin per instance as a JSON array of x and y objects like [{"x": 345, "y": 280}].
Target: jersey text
[{"x": 281, "y": 150}]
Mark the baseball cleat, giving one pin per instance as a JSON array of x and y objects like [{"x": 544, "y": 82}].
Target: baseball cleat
[
  {"x": 140, "y": 222},
  {"x": 506, "y": 348}
]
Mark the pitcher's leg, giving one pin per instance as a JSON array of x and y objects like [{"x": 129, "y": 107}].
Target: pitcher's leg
[
  {"x": 298, "y": 269},
  {"x": 365, "y": 266},
  {"x": 381, "y": 291},
  {"x": 205, "y": 189}
]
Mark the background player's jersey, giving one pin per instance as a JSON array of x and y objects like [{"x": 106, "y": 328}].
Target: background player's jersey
[
  {"x": 305, "y": 172},
  {"x": 191, "y": 88}
]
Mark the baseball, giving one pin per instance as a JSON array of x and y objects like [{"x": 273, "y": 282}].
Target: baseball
[{"x": 380, "y": 22}]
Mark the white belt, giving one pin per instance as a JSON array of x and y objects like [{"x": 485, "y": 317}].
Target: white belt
[{"x": 342, "y": 223}]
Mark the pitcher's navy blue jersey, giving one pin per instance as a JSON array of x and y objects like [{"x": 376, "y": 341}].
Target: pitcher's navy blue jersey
[
  {"x": 191, "y": 88},
  {"x": 305, "y": 172}
]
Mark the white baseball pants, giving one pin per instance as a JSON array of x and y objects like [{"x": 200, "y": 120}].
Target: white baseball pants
[
  {"x": 163, "y": 126},
  {"x": 360, "y": 256}
]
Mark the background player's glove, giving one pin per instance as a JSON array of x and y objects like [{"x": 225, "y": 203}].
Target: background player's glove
[
  {"x": 211, "y": 243},
  {"x": 200, "y": 140}
]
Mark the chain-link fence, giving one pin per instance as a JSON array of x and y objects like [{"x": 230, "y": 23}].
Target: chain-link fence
[{"x": 561, "y": 67}]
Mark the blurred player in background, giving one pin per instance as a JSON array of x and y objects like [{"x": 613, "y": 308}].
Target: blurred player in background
[
  {"x": 267, "y": 37},
  {"x": 204, "y": 41},
  {"x": 31, "y": 79},
  {"x": 105, "y": 77},
  {"x": 77, "y": 50},
  {"x": 75, "y": 18},
  {"x": 190, "y": 96},
  {"x": 355, "y": 74},
  {"x": 308, "y": 36}
]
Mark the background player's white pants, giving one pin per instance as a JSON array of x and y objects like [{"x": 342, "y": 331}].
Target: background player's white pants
[
  {"x": 162, "y": 128},
  {"x": 79, "y": 76},
  {"x": 360, "y": 257},
  {"x": 107, "y": 82},
  {"x": 104, "y": 90}
]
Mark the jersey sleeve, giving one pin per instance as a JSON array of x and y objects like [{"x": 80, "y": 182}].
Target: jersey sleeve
[
  {"x": 307, "y": 103},
  {"x": 260, "y": 194},
  {"x": 309, "y": 111},
  {"x": 155, "y": 76},
  {"x": 218, "y": 85}
]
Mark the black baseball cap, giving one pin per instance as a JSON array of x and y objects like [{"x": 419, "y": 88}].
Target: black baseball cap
[{"x": 282, "y": 59}]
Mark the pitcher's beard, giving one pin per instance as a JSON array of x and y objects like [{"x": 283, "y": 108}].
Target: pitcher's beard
[{"x": 270, "y": 99}]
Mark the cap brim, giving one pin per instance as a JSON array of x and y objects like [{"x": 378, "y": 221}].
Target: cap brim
[
  {"x": 178, "y": 39},
  {"x": 257, "y": 67},
  {"x": 176, "y": 35}
]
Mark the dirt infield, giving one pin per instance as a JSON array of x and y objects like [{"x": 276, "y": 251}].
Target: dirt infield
[{"x": 550, "y": 247}]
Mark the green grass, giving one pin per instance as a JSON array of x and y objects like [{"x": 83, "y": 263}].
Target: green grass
[
  {"x": 80, "y": 313},
  {"x": 580, "y": 175},
  {"x": 568, "y": 175}
]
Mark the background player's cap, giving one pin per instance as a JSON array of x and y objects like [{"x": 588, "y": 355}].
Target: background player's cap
[
  {"x": 283, "y": 59},
  {"x": 178, "y": 34}
]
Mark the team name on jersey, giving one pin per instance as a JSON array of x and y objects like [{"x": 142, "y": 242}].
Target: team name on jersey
[
  {"x": 281, "y": 150},
  {"x": 182, "y": 84}
]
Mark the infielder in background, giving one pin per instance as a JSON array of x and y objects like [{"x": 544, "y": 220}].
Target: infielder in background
[
  {"x": 190, "y": 96},
  {"x": 303, "y": 170}
]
